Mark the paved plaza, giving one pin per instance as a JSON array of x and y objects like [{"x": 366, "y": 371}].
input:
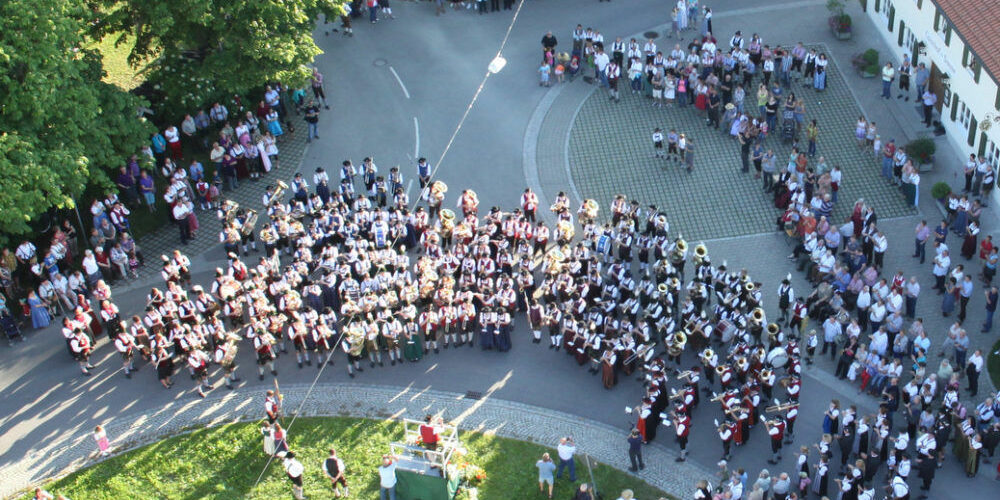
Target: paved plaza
[
  {"x": 566, "y": 138},
  {"x": 609, "y": 151}
]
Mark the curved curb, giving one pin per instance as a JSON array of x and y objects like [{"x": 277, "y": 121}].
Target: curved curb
[{"x": 509, "y": 419}]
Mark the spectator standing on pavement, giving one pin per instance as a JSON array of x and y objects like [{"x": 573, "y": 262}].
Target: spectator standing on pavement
[
  {"x": 921, "y": 233},
  {"x": 545, "y": 470},
  {"x": 549, "y": 42},
  {"x": 929, "y": 99},
  {"x": 635, "y": 451},
  {"x": 964, "y": 294},
  {"x": 387, "y": 478},
  {"x": 972, "y": 371},
  {"x": 990, "y": 265},
  {"x": 911, "y": 292},
  {"x": 991, "y": 307},
  {"x": 566, "y": 450},
  {"x": 888, "y": 75},
  {"x": 312, "y": 121}
]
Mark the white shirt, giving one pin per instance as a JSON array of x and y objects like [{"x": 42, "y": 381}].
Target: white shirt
[
  {"x": 566, "y": 451},
  {"x": 90, "y": 264},
  {"x": 387, "y": 475},
  {"x": 293, "y": 467}
]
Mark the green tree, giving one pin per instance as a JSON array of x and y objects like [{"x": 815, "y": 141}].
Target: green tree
[
  {"x": 61, "y": 128},
  {"x": 207, "y": 49}
]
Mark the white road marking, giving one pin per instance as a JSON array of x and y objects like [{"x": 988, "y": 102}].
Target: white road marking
[
  {"x": 416, "y": 135},
  {"x": 400, "y": 81}
]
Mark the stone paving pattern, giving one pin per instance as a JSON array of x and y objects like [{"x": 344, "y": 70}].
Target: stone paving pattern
[
  {"x": 602, "y": 442},
  {"x": 610, "y": 152},
  {"x": 291, "y": 149}
]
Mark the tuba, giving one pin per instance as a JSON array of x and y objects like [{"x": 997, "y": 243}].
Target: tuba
[
  {"x": 700, "y": 253},
  {"x": 662, "y": 288},
  {"x": 555, "y": 259},
  {"x": 277, "y": 191},
  {"x": 249, "y": 223},
  {"x": 677, "y": 255},
  {"x": 566, "y": 230},
  {"x": 447, "y": 221},
  {"x": 591, "y": 209},
  {"x": 772, "y": 331},
  {"x": 438, "y": 189},
  {"x": 677, "y": 346},
  {"x": 757, "y": 316}
]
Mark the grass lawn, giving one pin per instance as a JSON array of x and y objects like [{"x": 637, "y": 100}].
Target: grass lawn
[
  {"x": 224, "y": 463},
  {"x": 993, "y": 364},
  {"x": 116, "y": 65}
]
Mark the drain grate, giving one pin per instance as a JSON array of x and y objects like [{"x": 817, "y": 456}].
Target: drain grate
[
  {"x": 473, "y": 395},
  {"x": 380, "y": 62},
  {"x": 651, "y": 34}
]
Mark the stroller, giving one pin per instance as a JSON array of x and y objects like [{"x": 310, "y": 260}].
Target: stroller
[
  {"x": 788, "y": 126},
  {"x": 9, "y": 326}
]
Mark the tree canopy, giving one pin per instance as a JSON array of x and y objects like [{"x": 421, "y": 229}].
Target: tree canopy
[
  {"x": 206, "y": 49},
  {"x": 61, "y": 127}
]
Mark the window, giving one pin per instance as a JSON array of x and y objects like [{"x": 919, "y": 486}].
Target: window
[
  {"x": 993, "y": 154},
  {"x": 909, "y": 40},
  {"x": 942, "y": 27},
  {"x": 966, "y": 115},
  {"x": 954, "y": 106}
]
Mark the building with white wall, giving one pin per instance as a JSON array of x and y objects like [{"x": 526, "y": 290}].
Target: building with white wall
[{"x": 959, "y": 41}]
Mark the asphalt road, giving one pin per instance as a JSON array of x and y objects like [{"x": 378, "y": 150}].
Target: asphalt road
[{"x": 441, "y": 62}]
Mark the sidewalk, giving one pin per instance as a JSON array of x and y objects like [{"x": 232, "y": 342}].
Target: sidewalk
[{"x": 164, "y": 241}]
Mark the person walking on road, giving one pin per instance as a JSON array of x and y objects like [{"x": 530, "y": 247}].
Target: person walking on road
[
  {"x": 545, "y": 470},
  {"x": 635, "y": 451},
  {"x": 566, "y": 450},
  {"x": 312, "y": 121}
]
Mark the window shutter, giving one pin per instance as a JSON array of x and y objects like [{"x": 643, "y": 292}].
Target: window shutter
[
  {"x": 996, "y": 100},
  {"x": 978, "y": 70},
  {"x": 954, "y": 106},
  {"x": 965, "y": 56},
  {"x": 937, "y": 19},
  {"x": 892, "y": 17},
  {"x": 973, "y": 126},
  {"x": 920, "y": 4},
  {"x": 982, "y": 143},
  {"x": 878, "y": 5},
  {"x": 899, "y": 39},
  {"x": 947, "y": 35}
]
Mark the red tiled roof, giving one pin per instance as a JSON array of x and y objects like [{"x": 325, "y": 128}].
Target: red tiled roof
[{"x": 976, "y": 22}]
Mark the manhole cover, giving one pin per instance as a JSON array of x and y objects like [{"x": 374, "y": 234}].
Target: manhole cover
[
  {"x": 651, "y": 34},
  {"x": 380, "y": 62}
]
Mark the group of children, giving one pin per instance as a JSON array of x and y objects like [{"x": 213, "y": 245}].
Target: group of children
[
  {"x": 678, "y": 147},
  {"x": 551, "y": 65}
]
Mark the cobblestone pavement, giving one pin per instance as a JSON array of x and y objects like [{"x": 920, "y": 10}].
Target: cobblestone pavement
[
  {"x": 609, "y": 151},
  {"x": 292, "y": 149},
  {"x": 602, "y": 442}
]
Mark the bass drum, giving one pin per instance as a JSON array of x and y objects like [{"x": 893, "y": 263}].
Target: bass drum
[
  {"x": 777, "y": 358},
  {"x": 726, "y": 331}
]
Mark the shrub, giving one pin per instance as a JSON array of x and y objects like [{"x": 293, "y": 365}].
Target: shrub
[
  {"x": 921, "y": 149},
  {"x": 871, "y": 56},
  {"x": 940, "y": 190}
]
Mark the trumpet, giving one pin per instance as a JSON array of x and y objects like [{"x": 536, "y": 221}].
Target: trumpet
[
  {"x": 685, "y": 374},
  {"x": 780, "y": 407}
]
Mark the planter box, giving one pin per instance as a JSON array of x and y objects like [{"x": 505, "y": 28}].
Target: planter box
[{"x": 840, "y": 30}]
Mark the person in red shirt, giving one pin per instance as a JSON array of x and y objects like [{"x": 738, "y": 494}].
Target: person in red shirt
[{"x": 429, "y": 432}]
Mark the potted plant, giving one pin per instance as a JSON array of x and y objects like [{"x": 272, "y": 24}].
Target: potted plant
[
  {"x": 840, "y": 23},
  {"x": 921, "y": 150},
  {"x": 940, "y": 191},
  {"x": 867, "y": 63}
]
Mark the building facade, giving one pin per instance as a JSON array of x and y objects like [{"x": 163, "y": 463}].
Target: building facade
[{"x": 959, "y": 41}]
